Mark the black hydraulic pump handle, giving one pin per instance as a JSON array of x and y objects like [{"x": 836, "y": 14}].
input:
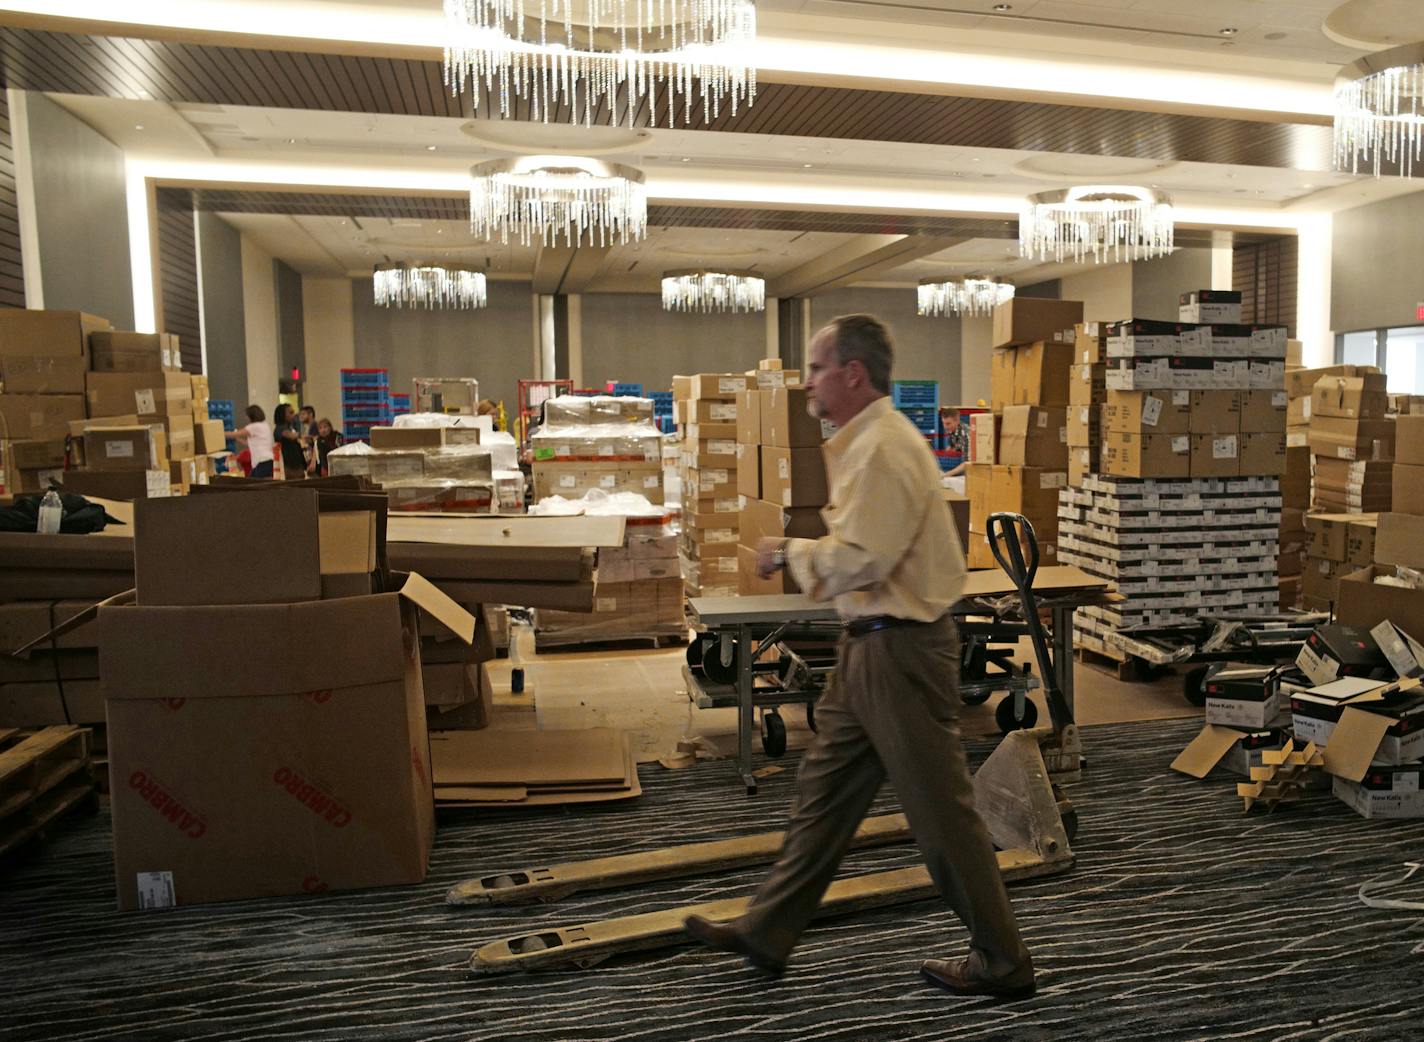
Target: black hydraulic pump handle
[{"x": 1007, "y": 542}]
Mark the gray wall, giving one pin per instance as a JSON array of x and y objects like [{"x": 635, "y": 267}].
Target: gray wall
[
  {"x": 494, "y": 344},
  {"x": 628, "y": 337},
  {"x": 1157, "y": 285},
  {"x": 224, "y": 327},
  {"x": 925, "y": 348},
  {"x": 291, "y": 336},
  {"x": 1377, "y": 265},
  {"x": 81, "y": 210}
]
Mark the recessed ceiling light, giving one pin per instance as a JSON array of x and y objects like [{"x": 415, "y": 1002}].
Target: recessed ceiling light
[
  {"x": 138, "y": 126},
  {"x": 1003, "y": 7},
  {"x": 806, "y": 166},
  {"x": 430, "y": 148},
  {"x": 685, "y": 159},
  {"x": 1227, "y": 31},
  {"x": 144, "y": 94},
  {"x": 291, "y": 141}
]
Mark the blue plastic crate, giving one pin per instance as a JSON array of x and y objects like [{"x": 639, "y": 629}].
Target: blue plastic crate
[
  {"x": 364, "y": 396},
  {"x": 375, "y": 414},
  {"x": 948, "y": 460},
  {"x": 925, "y": 420},
  {"x": 659, "y": 397},
  {"x": 400, "y": 402},
  {"x": 915, "y": 394},
  {"x": 627, "y": 390},
  {"x": 365, "y": 378}
]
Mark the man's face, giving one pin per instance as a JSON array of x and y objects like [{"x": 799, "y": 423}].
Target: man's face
[{"x": 826, "y": 379}]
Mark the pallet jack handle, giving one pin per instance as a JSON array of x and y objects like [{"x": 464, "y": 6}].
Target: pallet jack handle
[{"x": 1008, "y": 535}]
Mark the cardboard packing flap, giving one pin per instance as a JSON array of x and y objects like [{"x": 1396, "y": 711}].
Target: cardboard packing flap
[
  {"x": 1353, "y": 743},
  {"x": 1206, "y": 750}
]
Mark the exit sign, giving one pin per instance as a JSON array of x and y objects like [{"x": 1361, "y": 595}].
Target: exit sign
[{"x": 1419, "y": 312}]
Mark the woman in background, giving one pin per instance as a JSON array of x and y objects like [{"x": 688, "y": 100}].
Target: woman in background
[
  {"x": 328, "y": 438},
  {"x": 288, "y": 432},
  {"x": 258, "y": 437}
]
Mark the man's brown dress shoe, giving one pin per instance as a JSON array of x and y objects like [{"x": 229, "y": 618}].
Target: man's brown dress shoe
[
  {"x": 954, "y": 975},
  {"x": 725, "y": 938}
]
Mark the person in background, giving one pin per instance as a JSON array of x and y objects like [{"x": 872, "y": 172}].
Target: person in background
[
  {"x": 287, "y": 430},
  {"x": 327, "y": 438},
  {"x": 307, "y": 415},
  {"x": 258, "y": 438}
]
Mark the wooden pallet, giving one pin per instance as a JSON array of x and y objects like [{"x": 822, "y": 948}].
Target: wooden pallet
[
  {"x": 654, "y": 641},
  {"x": 41, "y": 777}
]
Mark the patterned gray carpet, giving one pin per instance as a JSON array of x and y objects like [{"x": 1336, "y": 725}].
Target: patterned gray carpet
[{"x": 1184, "y": 919}]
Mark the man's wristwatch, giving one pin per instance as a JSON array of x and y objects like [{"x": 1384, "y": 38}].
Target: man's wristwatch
[{"x": 778, "y": 556}]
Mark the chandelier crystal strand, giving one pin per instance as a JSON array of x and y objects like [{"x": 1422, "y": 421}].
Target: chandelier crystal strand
[
  {"x": 623, "y": 48},
  {"x": 428, "y": 286},
  {"x": 1378, "y": 113},
  {"x": 975, "y": 298},
  {"x": 705, "y": 290},
  {"x": 546, "y": 198},
  {"x": 1121, "y": 221}
]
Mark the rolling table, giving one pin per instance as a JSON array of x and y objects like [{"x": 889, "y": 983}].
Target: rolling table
[{"x": 753, "y": 623}]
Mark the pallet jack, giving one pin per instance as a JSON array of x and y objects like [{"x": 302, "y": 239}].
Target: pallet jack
[{"x": 1026, "y": 817}]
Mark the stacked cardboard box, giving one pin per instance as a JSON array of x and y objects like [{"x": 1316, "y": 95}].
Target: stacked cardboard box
[
  {"x": 604, "y": 442},
  {"x": 443, "y": 469},
  {"x": 781, "y": 479},
  {"x": 44, "y": 359},
  {"x": 1087, "y": 394},
  {"x": 1020, "y": 453},
  {"x": 705, "y": 407},
  {"x": 1392, "y": 587},
  {"x": 1337, "y": 545}
]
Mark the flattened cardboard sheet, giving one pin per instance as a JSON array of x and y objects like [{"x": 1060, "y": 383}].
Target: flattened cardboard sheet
[
  {"x": 497, "y": 757},
  {"x": 1353, "y": 743},
  {"x": 1206, "y": 750}
]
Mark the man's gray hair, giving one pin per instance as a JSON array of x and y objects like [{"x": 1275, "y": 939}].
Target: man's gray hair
[{"x": 864, "y": 339}]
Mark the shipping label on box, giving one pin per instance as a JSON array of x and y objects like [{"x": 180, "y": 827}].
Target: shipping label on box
[{"x": 1148, "y": 412}]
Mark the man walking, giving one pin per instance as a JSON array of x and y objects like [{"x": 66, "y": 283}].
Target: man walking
[{"x": 892, "y": 562}]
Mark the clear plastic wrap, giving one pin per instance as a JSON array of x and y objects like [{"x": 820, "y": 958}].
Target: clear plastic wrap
[
  {"x": 592, "y": 443},
  {"x": 598, "y": 410},
  {"x": 647, "y": 609}
]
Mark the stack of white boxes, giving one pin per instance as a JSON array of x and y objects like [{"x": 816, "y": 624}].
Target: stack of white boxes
[{"x": 1183, "y": 512}]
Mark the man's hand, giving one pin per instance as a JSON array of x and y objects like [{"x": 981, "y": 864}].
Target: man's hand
[{"x": 766, "y": 548}]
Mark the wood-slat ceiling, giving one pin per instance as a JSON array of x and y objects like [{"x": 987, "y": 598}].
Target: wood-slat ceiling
[{"x": 178, "y": 72}]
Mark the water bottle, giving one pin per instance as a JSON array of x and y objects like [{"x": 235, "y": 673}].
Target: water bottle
[
  {"x": 516, "y": 658},
  {"x": 51, "y": 513}
]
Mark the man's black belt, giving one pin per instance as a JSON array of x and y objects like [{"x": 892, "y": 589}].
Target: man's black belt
[{"x": 871, "y": 623}]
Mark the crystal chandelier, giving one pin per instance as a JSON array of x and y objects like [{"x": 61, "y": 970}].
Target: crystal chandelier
[
  {"x": 699, "y": 289},
  {"x": 972, "y": 297},
  {"x": 1130, "y": 223},
  {"x": 429, "y": 286},
  {"x": 1378, "y": 111},
  {"x": 544, "y": 198},
  {"x": 604, "y": 54}
]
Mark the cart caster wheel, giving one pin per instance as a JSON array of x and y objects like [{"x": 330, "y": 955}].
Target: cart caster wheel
[
  {"x": 811, "y": 716},
  {"x": 1194, "y": 684},
  {"x": 773, "y": 734},
  {"x": 974, "y": 698},
  {"x": 712, "y": 663},
  {"x": 1070, "y": 821},
  {"x": 1004, "y": 715},
  {"x": 696, "y": 648}
]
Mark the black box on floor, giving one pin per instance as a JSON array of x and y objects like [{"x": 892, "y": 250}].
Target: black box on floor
[{"x": 1335, "y": 651}]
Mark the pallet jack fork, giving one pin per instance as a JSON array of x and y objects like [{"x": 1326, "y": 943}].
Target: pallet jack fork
[{"x": 1012, "y": 792}]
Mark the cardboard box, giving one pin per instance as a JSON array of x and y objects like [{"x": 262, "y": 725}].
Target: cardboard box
[
  {"x": 1084, "y": 427},
  {"x": 749, "y": 418},
  {"x": 1034, "y": 436},
  {"x": 1216, "y": 455},
  {"x": 749, "y": 584},
  {"x": 1335, "y": 651},
  {"x": 140, "y": 447},
  {"x": 119, "y": 484},
  {"x": 1262, "y": 454},
  {"x": 749, "y": 469},
  {"x": 181, "y": 444},
  {"x": 1405, "y": 654},
  {"x": 1089, "y": 342},
  {"x": 1263, "y": 411},
  {"x": 42, "y": 374},
  {"x": 1399, "y": 539},
  {"x": 1385, "y": 792},
  {"x": 719, "y": 386},
  {"x": 1031, "y": 491},
  {"x": 978, "y": 485},
  {"x": 1002, "y": 364},
  {"x": 572, "y": 479},
  {"x": 1300, "y": 382},
  {"x": 761, "y": 519},
  {"x": 245, "y": 775},
  {"x": 786, "y": 420},
  {"x": 209, "y": 437},
  {"x": 1041, "y": 373},
  {"x": 1147, "y": 412},
  {"x": 1244, "y": 697},
  {"x": 1087, "y": 384},
  {"x": 151, "y": 392},
  {"x": 408, "y": 438},
  {"x": 1409, "y": 439},
  {"x": 1353, "y": 397},
  {"x": 1236, "y": 751},
  {"x": 1342, "y": 438},
  {"x": 713, "y": 410},
  {"x": 1215, "y": 412},
  {"x": 1360, "y": 541},
  {"x": 39, "y": 417},
  {"x": 1295, "y": 478},
  {"x": 1407, "y": 490},
  {"x": 298, "y": 546},
  {"x": 1025, "y": 320},
  {"x": 1146, "y": 455},
  {"x": 983, "y": 438},
  {"x": 135, "y": 352},
  {"x": 54, "y": 333},
  {"x": 1364, "y": 603},
  {"x": 793, "y": 477},
  {"x": 1329, "y": 535}
]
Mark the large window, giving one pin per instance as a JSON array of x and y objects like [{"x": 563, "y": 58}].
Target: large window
[
  {"x": 1399, "y": 352},
  {"x": 1358, "y": 348}
]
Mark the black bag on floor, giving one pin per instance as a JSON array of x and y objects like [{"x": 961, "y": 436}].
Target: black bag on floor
[{"x": 80, "y": 515}]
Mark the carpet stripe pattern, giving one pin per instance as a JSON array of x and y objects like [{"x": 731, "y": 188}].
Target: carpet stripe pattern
[{"x": 1184, "y": 919}]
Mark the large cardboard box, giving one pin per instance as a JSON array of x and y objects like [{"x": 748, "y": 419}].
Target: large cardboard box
[
  {"x": 1128, "y": 455},
  {"x": 119, "y": 484},
  {"x": 1365, "y": 603},
  {"x": 1216, "y": 455},
  {"x": 1262, "y": 453},
  {"x": 138, "y": 447},
  {"x": 1399, "y": 539},
  {"x": 1354, "y": 397},
  {"x": 749, "y": 584},
  {"x": 749, "y": 417},
  {"x": 979, "y": 486},
  {"x": 1002, "y": 363},
  {"x": 152, "y": 392},
  {"x": 1295, "y": 479},
  {"x": 209, "y": 437},
  {"x": 42, "y": 374},
  {"x": 761, "y": 519},
  {"x": 134, "y": 352},
  {"x": 1216, "y": 412},
  {"x": 55, "y": 333},
  {"x": 1087, "y": 384},
  {"x": 786, "y": 421},
  {"x": 1407, "y": 494},
  {"x": 39, "y": 417},
  {"x": 1263, "y": 411},
  {"x": 719, "y": 386},
  {"x": 304, "y": 768},
  {"x": 1041, "y": 373},
  {"x": 983, "y": 437},
  {"x": 1024, "y": 320},
  {"x": 712, "y": 410},
  {"x": 408, "y": 438},
  {"x": 1300, "y": 382},
  {"x": 281, "y": 547},
  {"x": 1031, "y": 491},
  {"x": 748, "y": 462},
  {"x": 1032, "y": 436},
  {"x": 1409, "y": 439},
  {"x": 793, "y": 477},
  {"x": 1148, "y": 412},
  {"x": 572, "y": 479},
  {"x": 1342, "y": 438}
]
